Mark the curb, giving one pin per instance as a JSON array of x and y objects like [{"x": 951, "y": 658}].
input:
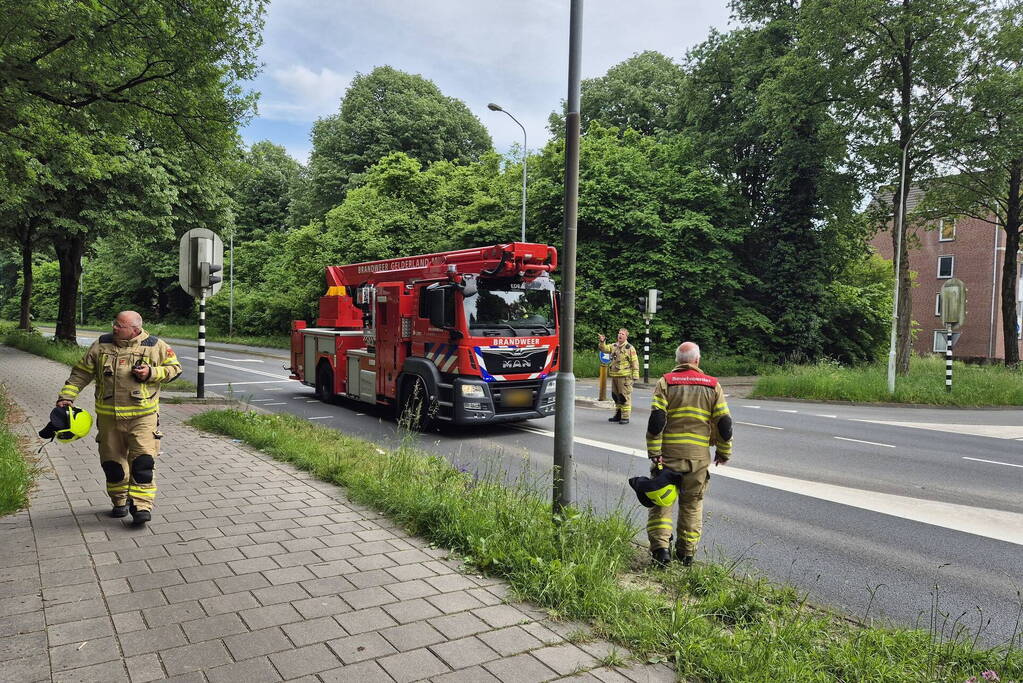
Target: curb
[{"x": 868, "y": 404}]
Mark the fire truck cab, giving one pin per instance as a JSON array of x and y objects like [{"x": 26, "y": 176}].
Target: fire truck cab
[{"x": 459, "y": 337}]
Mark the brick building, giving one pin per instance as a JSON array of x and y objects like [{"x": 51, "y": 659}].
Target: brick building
[{"x": 971, "y": 250}]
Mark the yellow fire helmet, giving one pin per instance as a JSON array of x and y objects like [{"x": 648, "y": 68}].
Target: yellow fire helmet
[
  {"x": 661, "y": 490},
  {"x": 67, "y": 424}
]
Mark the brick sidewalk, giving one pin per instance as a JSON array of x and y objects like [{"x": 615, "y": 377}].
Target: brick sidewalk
[{"x": 251, "y": 571}]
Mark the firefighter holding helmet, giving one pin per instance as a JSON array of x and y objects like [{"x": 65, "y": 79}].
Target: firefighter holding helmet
[
  {"x": 128, "y": 366},
  {"x": 688, "y": 415},
  {"x": 623, "y": 371}
]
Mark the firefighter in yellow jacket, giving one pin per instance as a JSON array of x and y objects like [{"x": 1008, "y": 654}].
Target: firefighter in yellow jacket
[
  {"x": 624, "y": 370},
  {"x": 688, "y": 415},
  {"x": 128, "y": 367}
]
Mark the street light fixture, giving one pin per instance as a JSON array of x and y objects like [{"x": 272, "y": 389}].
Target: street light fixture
[{"x": 497, "y": 107}]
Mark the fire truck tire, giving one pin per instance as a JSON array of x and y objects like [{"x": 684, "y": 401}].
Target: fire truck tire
[
  {"x": 415, "y": 407},
  {"x": 324, "y": 382}
]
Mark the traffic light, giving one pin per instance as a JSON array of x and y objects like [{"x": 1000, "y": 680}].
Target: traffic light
[
  {"x": 653, "y": 303},
  {"x": 207, "y": 274}
]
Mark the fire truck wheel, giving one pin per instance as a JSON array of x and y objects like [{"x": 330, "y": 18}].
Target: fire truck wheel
[
  {"x": 415, "y": 408},
  {"x": 324, "y": 383}
]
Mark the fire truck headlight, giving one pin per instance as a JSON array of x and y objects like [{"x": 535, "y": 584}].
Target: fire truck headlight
[
  {"x": 473, "y": 391},
  {"x": 550, "y": 388}
]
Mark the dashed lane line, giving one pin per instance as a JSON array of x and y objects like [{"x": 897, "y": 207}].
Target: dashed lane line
[
  {"x": 871, "y": 443},
  {"x": 993, "y": 462},
  {"x": 754, "y": 424},
  {"x": 996, "y": 524},
  {"x": 238, "y": 384}
]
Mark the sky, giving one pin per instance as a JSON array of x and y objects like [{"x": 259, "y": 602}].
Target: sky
[{"x": 512, "y": 52}]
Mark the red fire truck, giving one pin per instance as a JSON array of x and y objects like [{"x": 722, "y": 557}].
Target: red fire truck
[{"x": 459, "y": 337}]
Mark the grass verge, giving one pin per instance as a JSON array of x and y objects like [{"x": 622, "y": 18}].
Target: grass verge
[
  {"x": 587, "y": 365},
  {"x": 972, "y": 385},
  {"x": 213, "y": 334},
  {"x": 711, "y": 623},
  {"x": 16, "y": 472},
  {"x": 68, "y": 354}
]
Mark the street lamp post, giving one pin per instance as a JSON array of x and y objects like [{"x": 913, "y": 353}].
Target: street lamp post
[{"x": 497, "y": 107}]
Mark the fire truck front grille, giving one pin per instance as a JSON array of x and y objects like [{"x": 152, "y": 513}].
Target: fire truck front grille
[{"x": 514, "y": 361}]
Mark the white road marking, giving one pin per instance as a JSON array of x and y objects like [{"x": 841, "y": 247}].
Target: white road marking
[
  {"x": 322, "y": 417},
  {"x": 312, "y": 400},
  {"x": 239, "y": 360},
  {"x": 235, "y": 384},
  {"x": 993, "y": 462},
  {"x": 834, "y": 417},
  {"x": 996, "y": 524},
  {"x": 259, "y": 400},
  {"x": 272, "y": 389},
  {"x": 993, "y": 431},
  {"x": 871, "y": 443},
  {"x": 786, "y": 411},
  {"x": 754, "y": 407},
  {"x": 754, "y": 424},
  {"x": 275, "y": 375},
  {"x": 276, "y": 404}
]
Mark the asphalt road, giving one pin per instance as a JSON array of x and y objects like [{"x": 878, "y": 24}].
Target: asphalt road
[{"x": 901, "y": 514}]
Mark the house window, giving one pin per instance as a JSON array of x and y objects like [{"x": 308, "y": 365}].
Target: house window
[
  {"x": 939, "y": 341},
  {"x": 946, "y": 229},
  {"x": 937, "y": 304},
  {"x": 945, "y": 266}
]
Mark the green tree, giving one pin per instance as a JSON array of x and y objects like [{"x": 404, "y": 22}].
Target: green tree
[
  {"x": 386, "y": 111},
  {"x": 262, "y": 192}
]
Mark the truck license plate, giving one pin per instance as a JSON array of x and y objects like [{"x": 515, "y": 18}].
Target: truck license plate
[{"x": 517, "y": 398}]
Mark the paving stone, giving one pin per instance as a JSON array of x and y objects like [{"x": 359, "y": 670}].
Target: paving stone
[
  {"x": 304, "y": 660},
  {"x": 520, "y": 669},
  {"x": 75, "y": 611},
  {"x": 368, "y": 597},
  {"x": 459, "y": 601},
  {"x": 510, "y": 641},
  {"x": 68, "y": 578},
  {"x": 26, "y": 645},
  {"x": 16, "y": 624},
  {"x": 544, "y": 634},
  {"x": 327, "y": 586},
  {"x": 213, "y": 627},
  {"x": 412, "y": 636},
  {"x": 362, "y": 672},
  {"x": 250, "y": 671},
  {"x": 361, "y": 647},
  {"x": 607, "y": 674},
  {"x": 128, "y": 621},
  {"x": 409, "y": 572},
  {"x": 151, "y": 640},
  {"x": 324, "y": 605},
  {"x": 257, "y": 643},
  {"x": 371, "y": 562},
  {"x": 372, "y": 619},
  {"x": 658, "y": 673},
  {"x": 32, "y": 669},
  {"x": 160, "y": 564},
  {"x": 144, "y": 668},
  {"x": 21, "y": 604},
  {"x": 411, "y": 610},
  {"x": 205, "y": 572},
  {"x": 458, "y": 625},
  {"x": 79, "y": 631},
  {"x": 245, "y": 582},
  {"x": 191, "y": 591},
  {"x": 475, "y": 674},
  {"x": 313, "y": 631},
  {"x": 565, "y": 659},
  {"x": 413, "y": 666},
  {"x": 123, "y": 569},
  {"x": 407, "y": 590},
  {"x": 274, "y": 615},
  {"x": 77, "y": 655},
  {"x": 222, "y": 604},
  {"x": 173, "y": 614},
  {"x": 459, "y": 654},
  {"x": 273, "y": 595},
  {"x": 199, "y": 657},
  {"x": 499, "y": 616},
  {"x": 137, "y": 601},
  {"x": 107, "y": 672}
]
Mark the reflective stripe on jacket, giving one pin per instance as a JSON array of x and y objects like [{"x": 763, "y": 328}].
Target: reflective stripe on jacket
[
  {"x": 109, "y": 362},
  {"x": 624, "y": 360}
]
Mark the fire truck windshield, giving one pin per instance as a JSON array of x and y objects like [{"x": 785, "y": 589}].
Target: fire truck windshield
[{"x": 511, "y": 309}]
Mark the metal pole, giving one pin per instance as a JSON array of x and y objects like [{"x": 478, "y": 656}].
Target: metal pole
[
  {"x": 230, "y": 315},
  {"x": 602, "y": 396},
  {"x": 898, "y": 268},
  {"x": 646, "y": 352},
  {"x": 948, "y": 358},
  {"x": 200, "y": 390},
  {"x": 564, "y": 416},
  {"x": 525, "y": 155}
]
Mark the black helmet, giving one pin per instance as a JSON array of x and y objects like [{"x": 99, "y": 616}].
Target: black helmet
[
  {"x": 67, "y": 424},
  {"x": 662, "y": 489}
]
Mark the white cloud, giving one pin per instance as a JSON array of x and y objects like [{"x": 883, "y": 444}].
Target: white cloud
[{"x": 301, "y": 94}]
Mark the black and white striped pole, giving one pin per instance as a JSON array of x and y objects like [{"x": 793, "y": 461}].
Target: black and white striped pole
[
  {"x": 948, "y": 358},
  {"x": 200, "y": 391}
]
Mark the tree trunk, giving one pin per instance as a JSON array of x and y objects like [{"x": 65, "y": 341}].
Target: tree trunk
[
  {"x": 69, "y": 248},
  {"x": 1009, "y": 264},
  {"x": 24, "y": 322},
  {"x": 903, "y": 337}
]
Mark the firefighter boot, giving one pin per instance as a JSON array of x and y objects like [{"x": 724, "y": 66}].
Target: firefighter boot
[
  {"x": 139, "y": 517},
  {"x": 624, "y": 421},
  {"x": 617, "y": 416},
  {"x": 119, "y": 511},
  {"x": 686, "y": 560},
  {"x": 661, "y": 557}
]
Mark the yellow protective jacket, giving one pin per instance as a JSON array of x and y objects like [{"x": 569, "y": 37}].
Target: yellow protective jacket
[
  {"x": 624, "y": 360},
  {"x": 688, "y": 415},
  {"x": 109, "y": 362}
]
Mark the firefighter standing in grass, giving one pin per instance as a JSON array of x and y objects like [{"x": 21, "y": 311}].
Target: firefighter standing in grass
[
  {"x": 688, "y": 415},
  {"x": 128, "y": 367},
  {"x": 624, "y": 370}
]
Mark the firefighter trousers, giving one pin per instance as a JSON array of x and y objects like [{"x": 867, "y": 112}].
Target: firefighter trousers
[
  {"x": 621, "y": 392},
  {"x": 695, "y": 478},
  {"x": 128, "y": 448}
]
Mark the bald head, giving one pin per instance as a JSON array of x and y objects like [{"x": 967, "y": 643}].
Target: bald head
[
  {"x": 127, "y": 325},
  {"x": 687, "y": 352}
]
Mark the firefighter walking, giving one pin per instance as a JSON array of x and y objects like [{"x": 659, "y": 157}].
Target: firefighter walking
[
  {"x": 623, "y": 371},
  {"x": 128, "y": 367},
  {"x": 688, "y": 415}
]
